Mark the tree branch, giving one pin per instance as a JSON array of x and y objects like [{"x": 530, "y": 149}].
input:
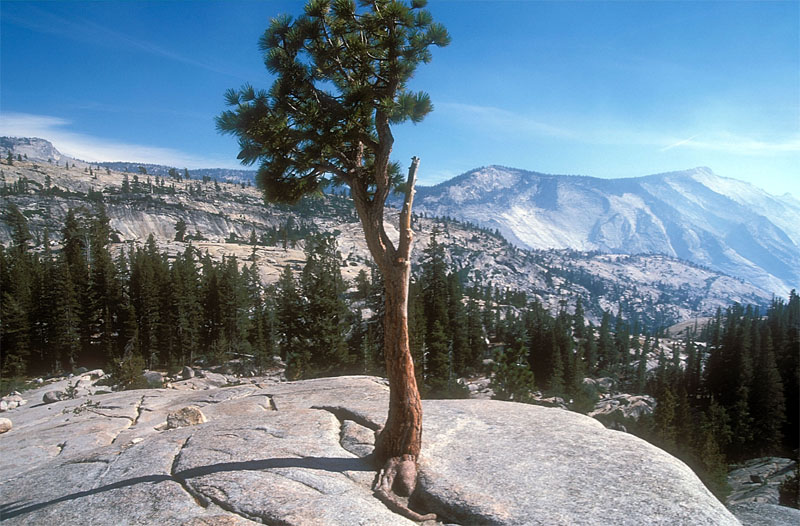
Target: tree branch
[{"x": 406, "y": 235}]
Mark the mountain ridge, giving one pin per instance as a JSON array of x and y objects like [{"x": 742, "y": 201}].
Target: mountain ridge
[
  {"x": 649, "y": 283},
  {"x": 696, "y": 215}
]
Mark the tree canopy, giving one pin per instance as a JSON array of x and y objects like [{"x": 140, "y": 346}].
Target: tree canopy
[{"x": 342, "y": 79}]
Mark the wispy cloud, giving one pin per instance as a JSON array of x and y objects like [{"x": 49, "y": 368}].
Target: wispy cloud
[
  {"x": 482, "y": 117},
  {"x": 95, "y": 149},
  {"x": 737, "y": 145},
  {"x": 679, "y": 143},
  {"x": 588, "y": 130},
  {"x": 748, "y": 146}
]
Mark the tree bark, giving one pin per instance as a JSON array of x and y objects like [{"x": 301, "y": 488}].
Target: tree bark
[
  {"x": 398, "y": 443},
  {"x": 402, "y": 434}
]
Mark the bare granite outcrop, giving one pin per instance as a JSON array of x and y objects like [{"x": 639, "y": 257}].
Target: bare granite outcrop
[{"x": 297, "y": 453}]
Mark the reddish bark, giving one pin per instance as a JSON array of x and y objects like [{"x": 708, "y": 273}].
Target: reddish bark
[{"x": 398, "y": 444}]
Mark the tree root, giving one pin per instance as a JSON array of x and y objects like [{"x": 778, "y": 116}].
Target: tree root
[{"x": 395, "y": 481}]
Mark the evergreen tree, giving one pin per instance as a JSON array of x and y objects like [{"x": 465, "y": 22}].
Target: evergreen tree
[
  {"x": 579, "y": 319},
  {"x": 104, "y": 289},
  {"x": 66, "y": 316},
  {"x": 326, "y": 312},
  {"x": 605, "y": 345},
  {"x": 234, "y": 308},
  {"x": 457, "y": 324},
  {"x": 180, "y": 229},
  {"x": 710, "y": 462},
  {"x": 290, "y": 327},
  {"x": 435, "y": 301},
  {"x": 664, "y": 419},
  {"x": 512, "y": 378},
  {"x": 185, "y": 281},
  {"x": 476, "y": 340},
  {"x": 349, "y": 66},
  {"x": 16, "y": 304},
  {"x": 767, "y": 400}
]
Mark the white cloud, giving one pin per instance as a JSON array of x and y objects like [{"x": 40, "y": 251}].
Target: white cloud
[
  {"x": 679, "y": 143},
  {"x": 734, "y": 144},
  {"x": 501, "y": 119},
  {"x": 95, "y": 149},
  {"x": 618, "y": 133}
]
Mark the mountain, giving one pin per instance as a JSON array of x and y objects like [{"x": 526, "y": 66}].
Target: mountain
[
  {"x": 655, "y": 289},
  {"x": 31, "y": 148},
  {"x": 695, "y": 215},
  {"x": 215, "y": 174},
  {"x": 36, "y": 149}
]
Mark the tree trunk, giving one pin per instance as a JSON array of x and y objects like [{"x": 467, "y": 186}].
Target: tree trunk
[
  {"x": 398, "y": 443},
  {"x": 402, "y": 434}
]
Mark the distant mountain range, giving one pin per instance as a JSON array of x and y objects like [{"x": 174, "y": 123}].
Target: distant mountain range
[{"x": 721, "y": 223}]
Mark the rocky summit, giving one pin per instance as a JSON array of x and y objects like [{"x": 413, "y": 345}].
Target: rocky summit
[{"x": 297, "y": 453}]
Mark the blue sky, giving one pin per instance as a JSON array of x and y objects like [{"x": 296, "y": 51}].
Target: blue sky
[{"x": 607, "y": 89}]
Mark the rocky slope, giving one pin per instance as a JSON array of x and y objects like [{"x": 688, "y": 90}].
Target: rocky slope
[
  {"x": 657, "y": 289},
  {"x": 721, "y": 223},
  {"x": 297, "y": 453}
]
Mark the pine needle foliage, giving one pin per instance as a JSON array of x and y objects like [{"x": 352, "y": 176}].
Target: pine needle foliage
[{"x": 341, "y": 79}]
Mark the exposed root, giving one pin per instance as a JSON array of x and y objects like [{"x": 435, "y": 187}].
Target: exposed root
[{"x": 395, "y": 481}]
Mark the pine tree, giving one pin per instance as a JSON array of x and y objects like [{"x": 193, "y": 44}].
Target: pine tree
[
  {"x": 145, "y": 291},
  {"x": 767, "y": 400},
  {"x": 234, "y": 308},
  {"x": 185, "y": 281},
  {"x": 664, "y": 419},
  {"x": 104, "y": 289},
  {"x": 180, "y": 229},
  {"x": 351, "y": 96},
  {"x": 326, "y": 312},
  {"x": 16, "y": 309},
  {"x": 605, "y": 345},
  {"x": 75, "y": 249},
  {"x": 579, "y": 319},
  {"x": 290, "y": 328},
  {"x": 512, "y": 378},
  {"x": 67, "y": 314},
  {"x": 435, "y": 301},
  {"x": 457, "y": 328},
  {"x": 710, "y": 462},
  {"x": 476, "y": 340}
]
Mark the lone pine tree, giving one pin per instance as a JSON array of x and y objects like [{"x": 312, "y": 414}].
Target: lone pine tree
[{"x": 341, "y": 81}]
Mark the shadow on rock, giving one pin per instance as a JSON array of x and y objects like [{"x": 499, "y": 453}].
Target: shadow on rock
[{"x": 331, "y": 464}]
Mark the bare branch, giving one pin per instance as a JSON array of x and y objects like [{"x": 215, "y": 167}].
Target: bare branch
[{"x": 406, "y": 235}]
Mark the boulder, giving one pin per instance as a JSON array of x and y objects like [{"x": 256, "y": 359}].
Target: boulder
[
  {"x": 550, "y": 466},
  {"x": 603, "y": 385},
  {"x": 187, "y": 416},
  {"x": 186, "y": 373},
  {"x": 622, "y": 406},
  {"x": 759, "y": 480},
  {"x": 297, "y": 453},
  {"x": 5, "y": 425},
  {"x": 53, "y": 396},
  {"x": 763, "y": 514}
]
